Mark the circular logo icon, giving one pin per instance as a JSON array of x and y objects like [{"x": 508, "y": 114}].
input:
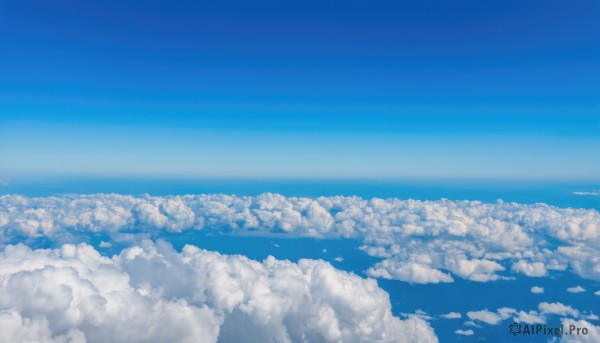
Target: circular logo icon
[{"x": 515, "y": 328}]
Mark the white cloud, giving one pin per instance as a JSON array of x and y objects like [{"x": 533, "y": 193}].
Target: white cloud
[
  {"x": 452, "y": 315},
  {"x": 104, "y": 244},
  {"x": 464, "y": 332},
  {"x": 339, "y": 259},
  {"x": 506, "y": 312},
  {"x": 418, "y": 313},
  {"x": 419, "y": 241},
  {"x": 485, "y": 316},
  {"x": 558, "y": 308},
  {"x": 537, "y": 290},
  {"x": 586, "y": 193},
  {"x": 528, "y": 317},
  {"x": 531, "y": 317},
  {"x": 151, "y": 293},
  {"x": 472, "y": 323},
  {"x": 577, "y": 289},
  {"x": 597, "y": 293},
  {"x": 533, "y": 269},
  {"x": 592, "y": 336},
  {"x": 411, "y": 272}
]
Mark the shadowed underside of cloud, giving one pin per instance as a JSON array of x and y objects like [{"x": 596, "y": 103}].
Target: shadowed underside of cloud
[
  {"x": 419, "y": 241},
  {"x": 151, "y": 293}
]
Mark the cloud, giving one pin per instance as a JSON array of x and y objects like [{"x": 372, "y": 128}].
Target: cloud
[
  {"x": 452, "y": 315},
  {"x": 537, "y": 290},
  {"x": 418, "y": 241},
  {"x": 558, "y": 308},
  {"x": 410, "y": 272},
  {"x": 464, "y": 332},
  {"x": 104, "y": 244},
  {"x": 418, "y": 313},
  {"x": 592, "y": 336},
  {"x": 577, "y": 289},
  {"x": 151, "y": 293},
  {"x": 506, "y": 312},
  {"x": 597, "y": 293},
  {"x": 531, "y": 317},
  {"x": 485, "y": 316},
  {"x": 586, "y": 193},
  {"x": 533, "y": 269},
  {"x": 528, "y": 317},
  {"x": 545, "y": 310}
]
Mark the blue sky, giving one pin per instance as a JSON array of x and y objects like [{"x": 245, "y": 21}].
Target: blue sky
[{"x": 461, "y": 89}]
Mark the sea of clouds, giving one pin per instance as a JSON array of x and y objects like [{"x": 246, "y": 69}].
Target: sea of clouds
[
  {"x": 150, "y": 292},
  {"x": 418, "y": 241}
]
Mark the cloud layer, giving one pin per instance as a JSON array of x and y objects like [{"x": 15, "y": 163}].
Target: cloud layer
[
  {"x": 151, "y": 293},
  {"x": 419, "y": 241},
  {"x": 544, "y": 313}
]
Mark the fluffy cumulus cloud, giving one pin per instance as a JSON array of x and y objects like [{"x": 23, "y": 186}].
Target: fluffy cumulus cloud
[
  {"x": 531, "y": 317},
  {"x": 151, "y": 293},
  {"x": 485, "y": 316},
  {"x": 464, "y": 332},
  {"x": 576, "y": 289},
  {"x": 418, "y": 241},
  {"x": 533, "y": 269},
  {"x": 592, "y": 336},
  {"x": 557, "y": 308},
  {"x": 537, "y": 290}
]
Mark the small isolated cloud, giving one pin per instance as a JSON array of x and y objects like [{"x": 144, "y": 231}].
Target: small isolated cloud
[
  {"x": 464, "y": 332},
  {"x": 485, "y": 316},
  {"x": 537, "y": 290},
  {"x": 577, "y": 289},
  {"x": 558, "y": 308},
  {"x": 597, "y": 292},
  {"x": 452, "y": 315},
  {"x": 586, "y": 193},
  {"x": 104, "y": 244},
  {"x": 339, "y": 259}
]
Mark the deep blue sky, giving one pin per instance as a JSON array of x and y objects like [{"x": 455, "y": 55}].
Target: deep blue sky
[{"x": 398, "y": 89}]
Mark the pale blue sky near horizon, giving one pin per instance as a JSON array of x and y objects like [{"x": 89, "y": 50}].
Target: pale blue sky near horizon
[{"x": 313, "y": 90}]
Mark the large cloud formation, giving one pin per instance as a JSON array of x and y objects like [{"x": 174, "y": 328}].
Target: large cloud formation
[
  {"x": 418, "y": 241},
  {"x": 151, "y": 293}
]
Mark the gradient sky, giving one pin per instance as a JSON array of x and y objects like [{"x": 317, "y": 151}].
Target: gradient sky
[{"x": 345, "y": 89}]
